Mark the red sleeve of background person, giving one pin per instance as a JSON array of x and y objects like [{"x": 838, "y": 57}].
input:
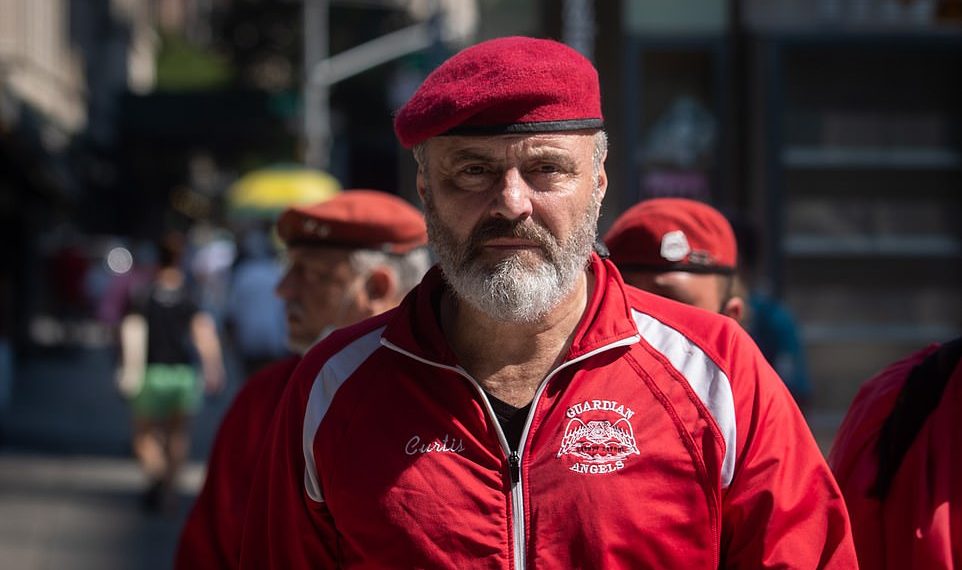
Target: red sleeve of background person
[
  {"x": 507, "y": 81},
  {"x": 920, "y": 523},
  {"x": 783, "y": 508},
  {"x": 212, "y": 533},
  {"x": 279, "y": 512}
]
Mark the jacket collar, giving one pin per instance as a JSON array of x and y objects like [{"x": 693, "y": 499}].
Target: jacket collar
[{"x": 415, "y": 326}]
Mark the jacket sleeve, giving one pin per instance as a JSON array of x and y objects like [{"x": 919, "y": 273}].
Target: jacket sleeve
[
  {"x": 783, "y": 508},
  {"x": 284, "y": 528},
  {"x": 894, "y": 532},
  {"x": 212, "y": 531},
  {"x": 214, "y": 520}
]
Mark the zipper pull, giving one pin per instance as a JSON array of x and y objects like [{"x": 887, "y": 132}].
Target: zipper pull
[{"x": 514, "y": 467}]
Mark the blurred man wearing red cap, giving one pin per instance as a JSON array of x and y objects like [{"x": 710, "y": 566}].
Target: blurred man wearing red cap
[
  {"x": 350, "y": 257},
  {"x": 681, "y": 249},
  {"x": 522, "y": 407},
  {"x": 687, "y": 251}
]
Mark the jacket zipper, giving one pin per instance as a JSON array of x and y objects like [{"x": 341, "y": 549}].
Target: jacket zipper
[
  {"x": 514, "y": 466},
  {"x": 514, "y": 457}
]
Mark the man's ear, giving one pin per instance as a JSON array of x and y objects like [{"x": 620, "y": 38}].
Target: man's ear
[
  {"x": 420, "y": 184},
  {"x": 734, "y": 308},
  {"x": 602, "y": 180},
  {"x": 381, "y": 287}
]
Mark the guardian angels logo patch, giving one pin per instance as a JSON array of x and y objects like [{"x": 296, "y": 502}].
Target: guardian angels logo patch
[{"x": 598, "y": 437}]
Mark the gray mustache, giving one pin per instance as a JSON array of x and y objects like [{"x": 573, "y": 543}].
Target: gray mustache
[
  {"x": 501, "y": 228},
  {"x": 294, "y": 308}
]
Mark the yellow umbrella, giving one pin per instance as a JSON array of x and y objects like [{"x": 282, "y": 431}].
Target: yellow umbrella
[{"x": 268, "y": 191}]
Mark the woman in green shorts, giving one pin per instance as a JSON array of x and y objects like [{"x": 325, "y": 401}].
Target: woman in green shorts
[{"x": 177, "y": 333}]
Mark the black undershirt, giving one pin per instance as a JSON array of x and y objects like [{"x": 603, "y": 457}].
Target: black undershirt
[{"x": 512, "y": 419}]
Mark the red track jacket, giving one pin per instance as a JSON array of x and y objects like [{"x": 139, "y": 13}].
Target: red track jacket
[
  {"x": 663, "y": 440},
  {"x": 919, "y": 525},
  {"x": 211, "y": 537}
]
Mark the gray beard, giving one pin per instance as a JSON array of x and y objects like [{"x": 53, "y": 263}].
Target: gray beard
[
  {"x": 513, "y": 289},
  {"x": 301, "y": 347}
]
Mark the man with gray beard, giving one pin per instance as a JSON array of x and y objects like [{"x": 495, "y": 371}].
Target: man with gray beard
[
  {"x": 510, "y": 290},
  {"x": 349, "y": 257},
  {"x": 523, "y": 406}
]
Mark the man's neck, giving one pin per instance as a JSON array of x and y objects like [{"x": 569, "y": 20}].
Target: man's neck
[{"x": 510, "y": 359}]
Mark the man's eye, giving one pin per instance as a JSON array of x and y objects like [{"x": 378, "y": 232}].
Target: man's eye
[
  {"x": 548, "y": 168},
  {"x": 474, "y": 170},
  {"x": 318, "y": 275}
]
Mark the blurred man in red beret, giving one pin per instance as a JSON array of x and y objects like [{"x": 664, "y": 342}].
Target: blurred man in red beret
[
  {"x": 687, "y": 251},
  {"x": 349, "y": 257},
  {"x": 522, "y": 407},
  {"x": 681, "y": 249}
]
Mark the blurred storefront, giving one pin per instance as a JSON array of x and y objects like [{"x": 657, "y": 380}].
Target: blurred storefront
[
  {"x": 834, "y": 125},
  {"x": 61, "y": 66}
]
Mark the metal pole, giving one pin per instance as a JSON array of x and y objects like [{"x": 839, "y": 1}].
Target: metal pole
[
  {"x": 317, "y": 113},
  {"x": 321, "y": 71},
  {"x": 383, "y": 49},
  {"x": 578, "y": 26}
]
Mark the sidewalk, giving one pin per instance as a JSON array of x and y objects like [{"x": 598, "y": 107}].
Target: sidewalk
[
  {"x": 82, "y": 512},
  {"x": 69, "y": 486},
  {"x": 66, "y": 402}
]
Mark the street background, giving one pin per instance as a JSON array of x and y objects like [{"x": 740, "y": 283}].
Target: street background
[
  {"x": 829, "y": 131},
  {"x": 69, "y": 487}
]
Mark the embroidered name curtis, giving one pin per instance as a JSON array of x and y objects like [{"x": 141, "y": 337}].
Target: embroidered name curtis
[{"x": 448, "y": 444}]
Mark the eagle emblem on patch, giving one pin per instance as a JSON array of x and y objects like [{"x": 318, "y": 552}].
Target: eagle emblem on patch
[{"x": 602, "y": 441}]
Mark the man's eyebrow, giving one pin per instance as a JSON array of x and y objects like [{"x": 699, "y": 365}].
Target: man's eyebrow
[{"x": 553, "y": 155}]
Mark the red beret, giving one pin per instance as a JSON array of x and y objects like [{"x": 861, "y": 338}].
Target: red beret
[
  {"x": 673, "y": 234},
  {"x": 360, "y": 219},
  {"x": 505, "y": 85}
]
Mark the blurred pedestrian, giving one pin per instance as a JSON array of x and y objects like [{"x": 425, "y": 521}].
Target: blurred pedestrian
[
  {"x": 681, "y": 249},
  {"x": 688, "y": 251},
  {"x": 67, "y": 269},
  {"x": 350, "y": 257},
  {"x": 770, "y": 323},
  {"x": 522, "y": 407},
  {"x": 161, "y": 339},
  {"x": 898, "y": 460},
  {"x": 124, "y": 287},
  {"x": 254, "y": 316},
  {"x": 213, "y": 252}
]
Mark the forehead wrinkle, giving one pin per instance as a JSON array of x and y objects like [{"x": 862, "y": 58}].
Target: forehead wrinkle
[
  {"x": 522, "y": 150},
  {"x": 482, "y": 143},
  {"x": 564, "y": 157},
  {"x": 316, "y": 254},
  {"x": 471, "y": 155}
]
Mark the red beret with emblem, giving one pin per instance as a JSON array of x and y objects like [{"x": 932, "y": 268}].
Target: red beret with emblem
[
  {"x": 502, "y": 86},
  {"x": 673, "y": 234},
  {"x": 356, "y": 219}
]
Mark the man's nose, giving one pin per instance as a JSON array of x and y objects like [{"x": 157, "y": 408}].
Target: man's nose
[{"x": 513, "y": 200}]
